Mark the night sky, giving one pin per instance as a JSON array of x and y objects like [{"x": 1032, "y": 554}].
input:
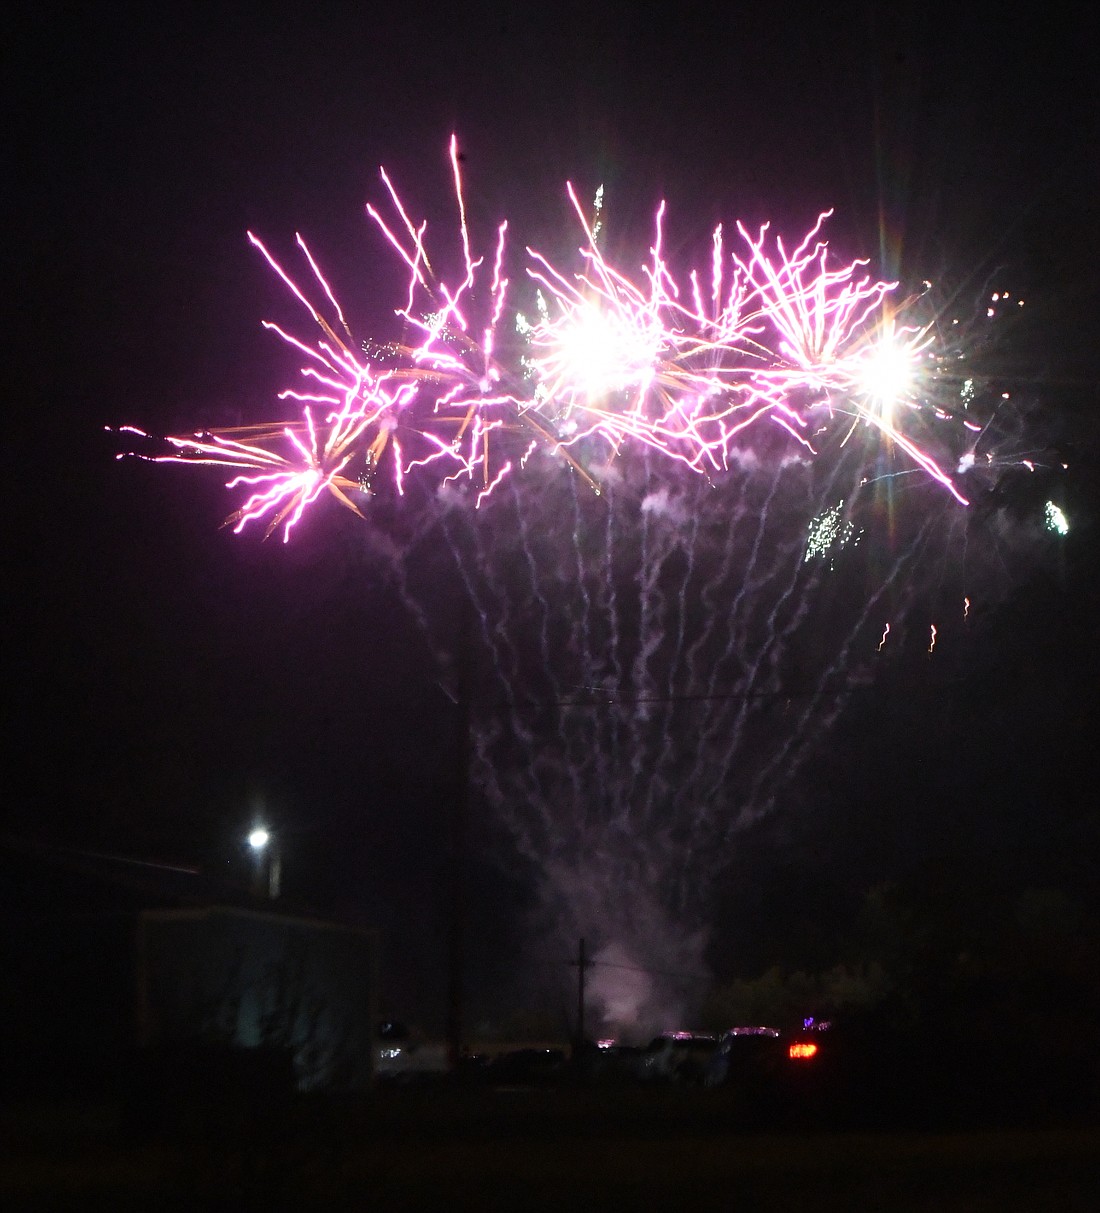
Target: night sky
[{"x": 171, "y": 680}]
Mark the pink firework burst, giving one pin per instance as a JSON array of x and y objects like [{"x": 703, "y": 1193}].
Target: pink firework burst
[{"x": 763, "y": 336}]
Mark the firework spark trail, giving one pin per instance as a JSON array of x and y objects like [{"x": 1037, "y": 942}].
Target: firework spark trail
[
  {"x": 595, "y": 808},
  {"x": 665, "y": 588},
  {"x": 757, "y": 684},
  {"x": 658, "y": 542},
  {"x": 616, "y": 639},
  {"x": 802, "y": 740},
  {"x": 581, "y": 641},
  {"x": 753, "y": 682},
  {"x": 676, "y": 667},
  {"x": 712, "y": 607},
  {"x": 825, "y": 702},
  {"x": 610, "y": 659},
  {"x": 713, "y": 590},
  {"x": 648, "y": 717},
  {"x": 536, "y": 591},
  {"x": 519, "y": 681},
  {"x": 480, "y": 586},
  {"x": 790, "y": 338},
  {"x": 605, "y": 656},
  {"x": 575, "y": 802},
  {"x": 715, "y": 736},
  {"x": 664, "y": 788}
]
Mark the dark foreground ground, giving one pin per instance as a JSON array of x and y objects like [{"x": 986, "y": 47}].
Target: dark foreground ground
[{"x": 500, "y": 1149}]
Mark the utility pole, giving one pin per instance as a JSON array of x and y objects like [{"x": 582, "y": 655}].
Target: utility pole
[
  {"x": 582, "y": 963},
  {"x": 459, "y": 810}
]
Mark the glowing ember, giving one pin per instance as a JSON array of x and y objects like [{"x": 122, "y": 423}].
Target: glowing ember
[{"x": 1055, "y": 520}]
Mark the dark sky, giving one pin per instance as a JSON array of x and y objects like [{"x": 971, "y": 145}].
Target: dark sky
[{"x": 171, "y": 679}]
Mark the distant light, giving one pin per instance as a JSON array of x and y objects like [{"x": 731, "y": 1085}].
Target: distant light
[
  {"x": 259, "y": 838},
  {"x": 803, "y": 1050},
  {"x": 1055, "y": 520}
]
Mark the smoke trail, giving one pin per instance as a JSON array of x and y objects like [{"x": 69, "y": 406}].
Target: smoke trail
[
  {"x": 633, "y": 683},
  {"x": 655, "y": 666}
]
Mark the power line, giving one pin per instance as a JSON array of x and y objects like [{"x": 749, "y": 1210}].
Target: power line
[{"x": 607, "y": 964}]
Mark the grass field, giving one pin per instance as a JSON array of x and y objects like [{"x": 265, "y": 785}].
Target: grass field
[{"x": 531, "y": 1150}]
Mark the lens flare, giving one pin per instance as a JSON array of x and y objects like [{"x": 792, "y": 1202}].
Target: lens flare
[{"x": 888, "y": 372}]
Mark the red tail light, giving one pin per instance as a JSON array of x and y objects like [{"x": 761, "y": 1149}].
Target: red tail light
[{"x": 803, "y": 1050}]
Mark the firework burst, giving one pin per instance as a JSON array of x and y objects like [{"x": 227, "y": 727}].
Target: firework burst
[
  {"x": 664, "y": 661},
  {"x": 766, "y": 336}
]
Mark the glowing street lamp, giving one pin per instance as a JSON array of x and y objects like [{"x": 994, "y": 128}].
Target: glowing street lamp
[{"x": 268, "y": 862}]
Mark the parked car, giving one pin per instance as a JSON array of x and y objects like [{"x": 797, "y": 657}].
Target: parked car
[
  {"x": 404, "y": 1056},
  {"x": 678, "y": 1057},
  {"x": 607, "y": 1061},
  {"x": 746, "y": 1057},
  {"x": 527, "y": 1067}
]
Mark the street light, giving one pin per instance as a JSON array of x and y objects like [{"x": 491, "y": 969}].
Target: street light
[{"x": 268, "y": 861}]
